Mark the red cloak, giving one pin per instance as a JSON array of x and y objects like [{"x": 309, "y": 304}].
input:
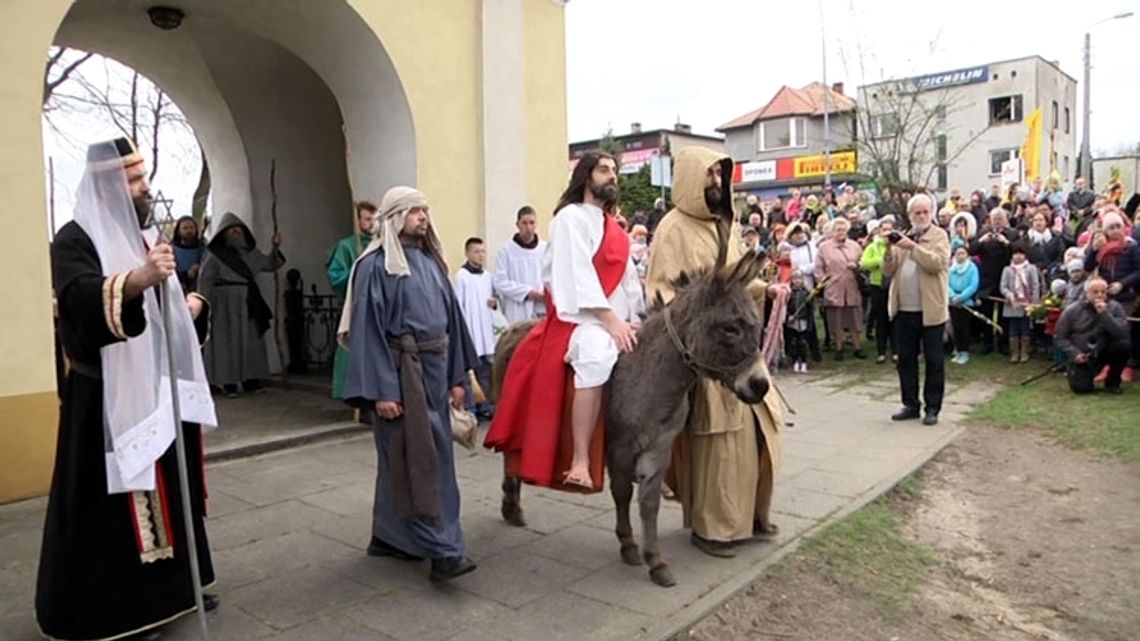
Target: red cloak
[{"x": 532, "y": 418}]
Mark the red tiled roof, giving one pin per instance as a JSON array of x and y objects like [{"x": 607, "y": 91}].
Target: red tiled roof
[{"x": 805, "y": 101}]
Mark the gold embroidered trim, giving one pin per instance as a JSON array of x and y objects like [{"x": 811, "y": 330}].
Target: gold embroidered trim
[
  {"x": 158, "y": 515},
  {"x": 113, "y": 303}
]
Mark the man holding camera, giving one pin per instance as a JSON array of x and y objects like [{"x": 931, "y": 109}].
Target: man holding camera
[
  {"x": 1093, "y": 333},
  {"x": 917, "y": 265}
]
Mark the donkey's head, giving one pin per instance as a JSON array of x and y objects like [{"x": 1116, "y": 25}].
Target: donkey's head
[{"x": 720, "y": 328}]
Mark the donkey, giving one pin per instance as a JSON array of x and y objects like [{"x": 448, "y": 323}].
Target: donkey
[{"x": 713, "y": 329}]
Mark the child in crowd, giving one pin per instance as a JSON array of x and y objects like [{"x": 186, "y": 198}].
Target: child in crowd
[
  {"x": 1021, "y": 287},
  {"x": 800, "y": 314},
  {"x": 1075, "y": 289},
  {"x": 1054, "y": 304},
  {"x": 784, "y": 267}
]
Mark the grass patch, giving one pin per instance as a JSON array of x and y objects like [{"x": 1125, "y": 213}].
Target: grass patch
[
  {"x": 870, "y": 553},
  {"x": 1098, "y": 422}
]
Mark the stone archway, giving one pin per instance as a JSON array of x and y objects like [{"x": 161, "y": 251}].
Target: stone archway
[{"x": 262, "y": 81}]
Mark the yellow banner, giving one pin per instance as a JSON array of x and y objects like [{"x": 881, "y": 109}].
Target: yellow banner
[
  {"x": 842, "y": 162},
  {"x": 1031, "y": 148}
]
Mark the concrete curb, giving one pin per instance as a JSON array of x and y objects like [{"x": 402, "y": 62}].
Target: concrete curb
[
  {"x": 286, "y": 441},
  {"x": 677, "y": 624}
]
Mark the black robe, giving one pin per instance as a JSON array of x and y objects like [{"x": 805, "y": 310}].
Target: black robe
[{"x": 92, "y": 582}]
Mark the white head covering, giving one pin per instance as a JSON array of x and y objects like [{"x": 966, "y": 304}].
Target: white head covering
[
  {"x": 137, "y": 411},
  {"x": 387, "y": 225}
]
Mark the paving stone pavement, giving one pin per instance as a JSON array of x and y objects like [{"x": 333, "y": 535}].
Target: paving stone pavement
[{"x": 288, "y": 531}]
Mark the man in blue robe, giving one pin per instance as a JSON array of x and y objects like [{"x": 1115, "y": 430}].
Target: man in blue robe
[{"x": 409, "y": 353}]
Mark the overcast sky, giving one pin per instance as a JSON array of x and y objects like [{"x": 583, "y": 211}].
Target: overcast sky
[{"x": 709, "y": 61}]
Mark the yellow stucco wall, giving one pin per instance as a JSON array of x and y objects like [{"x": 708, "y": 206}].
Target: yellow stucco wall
[
  {"x": 440, "y": 72},
  {"x": 545, "y": 77},
  {"x": 27, "y": 366}
]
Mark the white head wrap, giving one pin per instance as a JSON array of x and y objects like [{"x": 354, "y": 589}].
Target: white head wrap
[
  {"x": 387, "y": 225},
  {"x": 137, "y": 410}
]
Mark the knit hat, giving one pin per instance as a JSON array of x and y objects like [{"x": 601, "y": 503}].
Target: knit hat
[
  {"x": 1075, "y": 265},
  {"x": 1058, "y": 287}
]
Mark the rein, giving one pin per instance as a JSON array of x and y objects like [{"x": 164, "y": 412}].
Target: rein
[{"x": 710, "y": 371}]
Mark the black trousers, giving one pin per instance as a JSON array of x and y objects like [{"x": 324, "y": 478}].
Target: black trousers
[
  {"x": 910, "y": 334},
  {"x": 881, "y": 319},
  {"x": 962, "y": 322}
]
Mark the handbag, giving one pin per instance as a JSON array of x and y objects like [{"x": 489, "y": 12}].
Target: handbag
[{"x": 463, "y": 427}]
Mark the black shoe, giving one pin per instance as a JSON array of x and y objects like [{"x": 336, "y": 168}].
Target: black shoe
[
  {"x": 860, "y": 354},
  {"x": 1114, "y": 390},
  {"x": 720, "y": 549},
  {"x": 906, "y": 414},
  {"x": 211, "y": 602},
  {"x": 817, "y": 356},
  {"x": 839, "y": 356},
  {"x": 148, "y": 635},
  {"x": 231, "y": 391},
  {"x": 449, "y": 568},
  {"x": 377, "y": 547},
  {"x": 931, "y": 418}
]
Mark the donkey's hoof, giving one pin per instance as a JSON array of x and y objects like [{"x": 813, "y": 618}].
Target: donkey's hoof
[
  {"x": 662, "y": 576},
  {"x": 630, "y": 554},
  {"x": 513, "y": 515}
]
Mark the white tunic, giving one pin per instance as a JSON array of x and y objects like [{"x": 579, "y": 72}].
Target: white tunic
[
  {"x": 473, "y": 291},
  {"x": 518, "y": 271},
  {"x": 575, "y": 236}
]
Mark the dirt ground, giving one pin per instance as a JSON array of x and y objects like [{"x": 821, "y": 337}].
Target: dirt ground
[{"x": 1028, "y": 540}]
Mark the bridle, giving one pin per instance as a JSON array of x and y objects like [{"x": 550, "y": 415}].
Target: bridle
[{"x": 690, "y": 360}]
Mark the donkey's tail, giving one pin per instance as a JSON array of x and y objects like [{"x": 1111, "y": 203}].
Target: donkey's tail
[{"x": 504, "y": 350}]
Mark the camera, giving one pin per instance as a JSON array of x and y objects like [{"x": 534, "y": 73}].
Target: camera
[{"x": 894, "y": 237}]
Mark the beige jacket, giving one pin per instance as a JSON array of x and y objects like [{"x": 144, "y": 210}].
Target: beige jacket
[
  {"x": 933, "y": 258},
  {"x": 685, "y": 240}
]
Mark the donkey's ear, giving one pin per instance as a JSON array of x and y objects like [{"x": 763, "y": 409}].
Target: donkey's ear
[
  {"x": 756, "y": 268},
  {"x": 682, "y": 280},
  {"x": 742, "y": 268}
]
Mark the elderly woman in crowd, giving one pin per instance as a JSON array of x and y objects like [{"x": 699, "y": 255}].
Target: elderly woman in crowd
[
  {"x": 1115, "y": 257},
  {"x": 1045, "y": 247},
  {"x": 838, "y": 260}
]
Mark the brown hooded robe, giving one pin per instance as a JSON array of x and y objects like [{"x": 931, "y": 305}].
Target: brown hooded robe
[{"x": 724, "y": 462}]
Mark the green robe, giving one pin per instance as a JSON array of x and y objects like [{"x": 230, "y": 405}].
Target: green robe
[{"x": 338, "y": 269}]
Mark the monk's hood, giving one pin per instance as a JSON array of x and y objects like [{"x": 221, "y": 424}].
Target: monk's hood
[{"x": 690, "y": 169}]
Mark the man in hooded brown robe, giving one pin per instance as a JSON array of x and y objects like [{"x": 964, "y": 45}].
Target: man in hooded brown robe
[{"x": 724, "y": 462}]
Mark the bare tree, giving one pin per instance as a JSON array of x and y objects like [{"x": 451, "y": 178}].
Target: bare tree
[
  {"x": 903, "y": 133},
  {"x": 58, "y": 71}
]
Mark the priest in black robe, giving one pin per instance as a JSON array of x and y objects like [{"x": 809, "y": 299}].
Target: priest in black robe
[{"x": 114, "y": 561}]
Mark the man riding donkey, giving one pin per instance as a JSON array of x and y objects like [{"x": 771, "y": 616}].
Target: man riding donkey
[
  {"x": 593, "y": 299},
  {"x": 724, "y": 462}
]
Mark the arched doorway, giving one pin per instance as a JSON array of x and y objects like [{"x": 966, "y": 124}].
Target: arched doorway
[{"x": 261, "y": 83}]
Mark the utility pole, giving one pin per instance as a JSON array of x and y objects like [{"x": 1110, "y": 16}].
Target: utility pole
[
  {"x": 1085, "y": 160},
  {"x": 1086, "y": 155},
  {"x": 826, "y": 105}
]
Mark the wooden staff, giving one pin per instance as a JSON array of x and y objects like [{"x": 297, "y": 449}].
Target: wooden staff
[
  {"x": 276, "y": 275},
  {"x": 815, "y": 292},
  {"x": 978, "y": 315},
  {"x": 351, "y": 189},
  {"x": 51, "y": 194}
]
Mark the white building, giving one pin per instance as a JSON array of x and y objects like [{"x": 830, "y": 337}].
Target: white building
[{"x": 956, "y": 128}]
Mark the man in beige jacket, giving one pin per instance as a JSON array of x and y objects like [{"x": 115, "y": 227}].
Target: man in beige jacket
[
  {"x": 918, "y": 265},
  {"x": 724, "y": 462}
]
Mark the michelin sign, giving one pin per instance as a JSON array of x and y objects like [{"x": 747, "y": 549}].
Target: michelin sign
[{"x": 944, "y": 79}]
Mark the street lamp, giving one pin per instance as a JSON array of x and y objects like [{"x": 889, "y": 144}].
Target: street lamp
[{"x": 1085, "y": 160}]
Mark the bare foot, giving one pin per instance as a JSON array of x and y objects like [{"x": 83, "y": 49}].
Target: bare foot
[
  {"x": 666, "y": 491},
  {"x": 578, "y": 475}
]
